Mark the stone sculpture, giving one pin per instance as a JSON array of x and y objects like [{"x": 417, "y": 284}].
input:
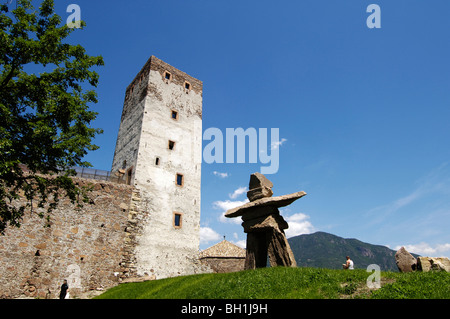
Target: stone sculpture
[
  {"x": 433, "y": 263},
  {"x": 264, "y": 225},
  {"x": 405, "y": 261}
]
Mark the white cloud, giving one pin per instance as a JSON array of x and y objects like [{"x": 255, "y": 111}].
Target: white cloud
[
  {"x": 443, "y": 247},
  {"x": 235, "y": 220},
  {"x": 226, "y": 205},
  {"x": 241, "y": 243},
  {"x": 298, "y": 225},
  {"x": 221, "y": 175},
  {"x": 208, "y": 234},
  {"x": 275, "y": 145},
  {"x": 238, "y": 192},
  {"x": 426, "y": 249}
]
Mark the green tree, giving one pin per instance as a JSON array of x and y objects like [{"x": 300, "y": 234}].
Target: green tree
[{"x": 45, "y": 121}]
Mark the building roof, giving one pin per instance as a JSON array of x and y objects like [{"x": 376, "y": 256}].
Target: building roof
[{"x": 224, "y": 249}]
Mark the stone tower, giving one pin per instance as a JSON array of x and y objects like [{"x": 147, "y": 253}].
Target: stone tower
[{"x": 158, "y": 150}]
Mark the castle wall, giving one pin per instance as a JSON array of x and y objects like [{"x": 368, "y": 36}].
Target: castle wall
[
  {"x": 85, "y": 246},
  {"x": 150, "y": 228}
]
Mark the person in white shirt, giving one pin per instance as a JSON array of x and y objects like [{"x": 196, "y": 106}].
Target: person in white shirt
[{"x": 348, "y": 264}]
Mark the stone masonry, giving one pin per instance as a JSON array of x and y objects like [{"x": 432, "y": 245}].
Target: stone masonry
[
  {"x": 223, "y": 257},
  {"x": 91, "y": 246},
  {"x": 147, "y": 227}
]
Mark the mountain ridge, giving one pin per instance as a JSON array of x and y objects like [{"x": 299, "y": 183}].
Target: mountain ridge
[{"x": 325, "y": 250}]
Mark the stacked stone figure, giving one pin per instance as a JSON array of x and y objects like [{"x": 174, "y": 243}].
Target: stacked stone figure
[{"x": 264, "y": 225}]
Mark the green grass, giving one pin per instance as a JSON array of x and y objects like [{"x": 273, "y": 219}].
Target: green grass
[
  {"x": 287, "y": 283},
  {"x": 416, "y": 285}
]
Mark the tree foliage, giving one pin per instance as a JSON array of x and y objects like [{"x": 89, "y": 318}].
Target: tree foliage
[{"x": 46, "y": 86}]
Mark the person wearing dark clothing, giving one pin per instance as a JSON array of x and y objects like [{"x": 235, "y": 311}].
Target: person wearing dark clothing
[{"x": 64, "y": 288}]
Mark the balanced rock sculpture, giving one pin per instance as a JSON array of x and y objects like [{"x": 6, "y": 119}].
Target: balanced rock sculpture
[
  {"x": 405, "y": 261},
  {"x": 264, "y": 225}
]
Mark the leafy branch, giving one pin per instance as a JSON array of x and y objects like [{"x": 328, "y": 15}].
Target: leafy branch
[{"x": 45, "y": 120}]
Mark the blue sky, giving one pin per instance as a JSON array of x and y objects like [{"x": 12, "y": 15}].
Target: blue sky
[{"x": 363, "y": 114}]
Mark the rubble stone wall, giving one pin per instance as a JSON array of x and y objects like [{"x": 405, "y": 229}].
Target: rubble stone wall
[{"x": 92, "y": 247}]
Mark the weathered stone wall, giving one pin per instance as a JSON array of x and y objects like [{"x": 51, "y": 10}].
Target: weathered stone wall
[
  {"x": 148, "y": 229},
  {"x": 163, "y": 248},
  {"x": 86, "y": 246}
]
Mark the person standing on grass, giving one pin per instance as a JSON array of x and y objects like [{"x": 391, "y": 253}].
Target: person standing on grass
[
  {"x": 64, "y": 288},
  {"x": 348, "y": 264}
]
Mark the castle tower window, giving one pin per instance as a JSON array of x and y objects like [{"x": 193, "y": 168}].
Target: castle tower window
[
  {"x": 167, "y": 76},
  {"x": 174, "y": 115},
  {"x": 180, "y": 180},
  {"x": 177, "y": 220},
  {"x": 129, "y": 174},
  {"x": 171, "y": 145},
  {"x": 187, "y": 86},
  {"x": 157, "y": 161}
]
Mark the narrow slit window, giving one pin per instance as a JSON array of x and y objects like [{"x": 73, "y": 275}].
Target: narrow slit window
[
  {"x": 180, "y": 180},
  {"x": 174, "y": 115},
  {"x": 177, "y": 220},
  {"x": 157, "y": 161},
  {"x": 129, "y": 175},
  {"x": 171, "y": 145}
]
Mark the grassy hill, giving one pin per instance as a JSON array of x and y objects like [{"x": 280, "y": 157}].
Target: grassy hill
[
  {"x": 288, "y": 283},
  {"x": 328, "y": 251}
]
